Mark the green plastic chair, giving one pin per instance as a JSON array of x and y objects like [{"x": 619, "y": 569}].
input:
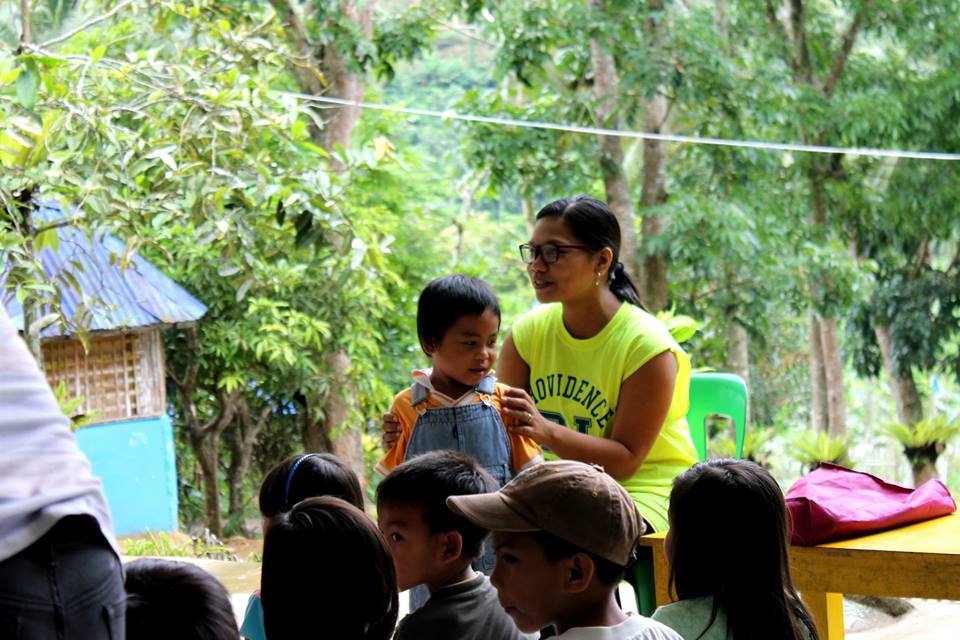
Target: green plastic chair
[{"x": 711, "y": 394}]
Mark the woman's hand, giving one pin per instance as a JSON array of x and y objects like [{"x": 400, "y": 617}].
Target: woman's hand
[
  {"x": 391, "y": 430},
  {"x": 525, "y": 419}
]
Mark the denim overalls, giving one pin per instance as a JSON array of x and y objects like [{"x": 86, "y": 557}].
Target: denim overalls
[{"x": 476, "y": 429}]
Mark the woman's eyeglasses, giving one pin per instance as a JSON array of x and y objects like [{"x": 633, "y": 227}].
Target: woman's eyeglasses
[{"x": 549, "y": 252}]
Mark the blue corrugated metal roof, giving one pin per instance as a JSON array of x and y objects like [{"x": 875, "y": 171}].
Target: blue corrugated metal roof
[{"x": 138, "y": 296}]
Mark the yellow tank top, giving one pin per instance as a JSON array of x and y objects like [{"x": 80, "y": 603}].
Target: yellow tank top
[{"x": 576, "y": 383}]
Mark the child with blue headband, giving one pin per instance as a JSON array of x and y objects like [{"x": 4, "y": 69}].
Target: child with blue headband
[{"x": 298, "y": 478}]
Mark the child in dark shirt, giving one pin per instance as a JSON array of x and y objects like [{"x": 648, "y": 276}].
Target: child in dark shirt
[{"x": 433, "y": 546}]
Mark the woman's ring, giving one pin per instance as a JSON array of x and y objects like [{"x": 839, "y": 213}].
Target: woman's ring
[{"x": 529, "y": 418}]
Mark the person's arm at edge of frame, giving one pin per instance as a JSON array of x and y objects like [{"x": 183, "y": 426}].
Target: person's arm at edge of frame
[{"x": 645, "y": 399}]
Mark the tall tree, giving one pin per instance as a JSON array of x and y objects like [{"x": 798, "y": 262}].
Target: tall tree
[
  {"x": 606, "y": 91},
  {"x": 797, "y": 27}
]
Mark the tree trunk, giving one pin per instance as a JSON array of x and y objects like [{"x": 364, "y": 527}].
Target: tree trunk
[
  {"x": 738, "y": 348},
  {"x": 903, "y": 388},
  {"x": 923, "y": 461},
  {"x": 333, "y": 432},
  {"x": 791, "y": 29},
  {"x": 528, "y": 212},
  {"x": 616, "y": 187},
  {"x": 332, "y": 67},
  {"x": 235, "y": 471},
  {"x": 206, "y": 451},
  {"x": 347, "y": 439},
  {"x": 242, "y": 438},
  {"x": 344, "y": 83},
  {"x": 204, "y": 437},
  {"x": 653, "y": 288},
  {"x": 833, "y": 373},
  {"x": 927, "y": 471},
  {"x": 723, "y": 24},
  {"x": 315, "y": 437},
  {"x": 818, "y": 379},
  {"x": 25, "y": 35}
]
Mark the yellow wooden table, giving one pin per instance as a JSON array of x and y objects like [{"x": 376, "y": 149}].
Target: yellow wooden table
[{"x": 916, "y": 561}]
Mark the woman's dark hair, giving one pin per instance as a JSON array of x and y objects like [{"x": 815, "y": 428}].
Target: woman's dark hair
[
  {"x": 592, "y": 223},
  {"x": 308, "y": 476},
  {"x": 428, "y": 480},
  {"x": 327, "y": 570},
  {"x": 608, "y": 572},
  {"x": 729, "y": 532},
  {"x": 446, "y": 299},
  {"x": 171, "y": 599}
]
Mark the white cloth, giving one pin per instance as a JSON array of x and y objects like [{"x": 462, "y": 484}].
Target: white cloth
[
  {"x": 633, "y": 628},
  {"x": 43, "y": 474}
]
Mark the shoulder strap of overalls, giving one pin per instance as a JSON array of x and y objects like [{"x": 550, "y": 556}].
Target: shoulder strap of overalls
[
  {"x": 419, "y": 395},
  {"x": 487, "y": 385}
]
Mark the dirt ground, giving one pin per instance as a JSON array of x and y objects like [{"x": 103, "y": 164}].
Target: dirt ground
[{"x": 245, "y": 548}]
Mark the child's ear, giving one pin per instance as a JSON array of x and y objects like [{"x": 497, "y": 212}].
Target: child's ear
[
  {"x": 580, "y": 572},
  {"x": 452, "y": 546},
  {"x": 428, "y": 346}
]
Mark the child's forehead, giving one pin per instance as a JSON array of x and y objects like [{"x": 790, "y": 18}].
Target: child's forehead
[
  {"x": 488, "y": 321},
  {"x": 401, "y": 511},
  {"x": 513, "y": 539}
]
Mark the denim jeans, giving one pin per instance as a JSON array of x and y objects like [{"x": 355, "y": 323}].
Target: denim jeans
[{"x": 67, "y": 585}]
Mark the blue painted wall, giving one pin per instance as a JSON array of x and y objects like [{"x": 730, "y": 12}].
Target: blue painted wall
[{"x": 135, "y": 460}]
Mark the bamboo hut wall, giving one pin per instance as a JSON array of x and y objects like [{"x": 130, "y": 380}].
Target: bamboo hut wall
[{"x": 121, "y": 377}]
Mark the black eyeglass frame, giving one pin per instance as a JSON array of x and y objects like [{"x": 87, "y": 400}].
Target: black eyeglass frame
[{"x": 537, "y": 251}]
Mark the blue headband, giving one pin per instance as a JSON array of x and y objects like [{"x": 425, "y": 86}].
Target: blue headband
[{"x": 293, "y": 470}]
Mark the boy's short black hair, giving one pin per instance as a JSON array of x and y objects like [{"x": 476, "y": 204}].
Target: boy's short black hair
[
  {"x": 554, "y": 548},
  {"x": 171, "y": 599},
  {"x": 448, "y": 298},
  {"x": 428, "y": 480}
]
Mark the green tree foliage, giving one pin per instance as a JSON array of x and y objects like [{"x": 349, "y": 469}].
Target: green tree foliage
[{"x": 167, "y": 124}]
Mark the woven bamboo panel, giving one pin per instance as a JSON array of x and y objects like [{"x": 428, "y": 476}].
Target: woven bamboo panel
[{"x": 120, "y": 377}]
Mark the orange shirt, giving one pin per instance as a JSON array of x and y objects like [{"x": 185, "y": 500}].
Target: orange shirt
[{"x": 524, "y": 451}]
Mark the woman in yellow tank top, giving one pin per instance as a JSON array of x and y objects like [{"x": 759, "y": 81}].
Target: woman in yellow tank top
[{"x": 596, "y": 378}]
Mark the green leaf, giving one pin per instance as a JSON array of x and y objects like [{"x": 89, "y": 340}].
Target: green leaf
[
  {"x": 48, "y": 238},
  {"x": 28, "y": 82},
  {"x": 97, "y": 53},
  {"x": 46, "y": 321},
  {"x": 244, "y": 288},
  {"x": 165, "y": 154},
  {"x": 27, "y": 125}
]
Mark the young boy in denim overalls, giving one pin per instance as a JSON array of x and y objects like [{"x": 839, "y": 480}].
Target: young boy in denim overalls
[{"x": 455, "y": 404}]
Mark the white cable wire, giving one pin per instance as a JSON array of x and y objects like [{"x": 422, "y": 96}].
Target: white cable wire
[{"x": 666, "y": 137}]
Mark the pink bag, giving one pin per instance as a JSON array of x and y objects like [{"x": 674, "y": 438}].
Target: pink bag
[{"x": 833, "y": 502}]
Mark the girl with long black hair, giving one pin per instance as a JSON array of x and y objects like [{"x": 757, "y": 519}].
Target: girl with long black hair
[{"x": 727, "y": 550}]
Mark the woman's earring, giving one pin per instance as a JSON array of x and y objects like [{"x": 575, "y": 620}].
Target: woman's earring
[{"x": 596, "y": 280}]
